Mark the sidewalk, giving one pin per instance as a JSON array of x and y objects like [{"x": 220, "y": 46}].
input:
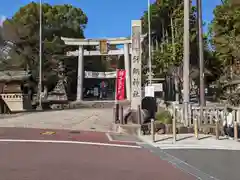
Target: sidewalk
[{"x": 188, "y": 141}]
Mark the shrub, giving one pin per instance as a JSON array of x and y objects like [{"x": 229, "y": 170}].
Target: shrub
[{"x": 164, "y": 117}]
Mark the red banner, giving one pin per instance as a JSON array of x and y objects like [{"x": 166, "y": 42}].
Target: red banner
[{"x": 120, "y": 84}]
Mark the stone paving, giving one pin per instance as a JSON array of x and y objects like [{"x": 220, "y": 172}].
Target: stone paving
[
  {"x": 188, "y": 141},
  {"x": 77, "y": 119}
]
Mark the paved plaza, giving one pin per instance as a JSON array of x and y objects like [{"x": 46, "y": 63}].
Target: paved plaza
[{"x": 77, "y": 119}]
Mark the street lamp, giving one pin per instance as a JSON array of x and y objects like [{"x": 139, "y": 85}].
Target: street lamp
[
  {"x": 149, "y": 45},
  {"x": 40, "y": 55}
]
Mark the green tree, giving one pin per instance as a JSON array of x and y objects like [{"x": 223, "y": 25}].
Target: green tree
[
  {"x": 225, "y": 40},
  {"x": 2, "y": 49},
  {"x": 1, "y": 36},
  {"x": 23, "y": 31},
  {"x": 167, "y": 26},
  {"x": 225, "y": 31}
]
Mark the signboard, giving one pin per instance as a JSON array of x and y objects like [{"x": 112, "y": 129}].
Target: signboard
[
  {"x": 103, "y": 47},
  {"x": 99, "y": 75},
  {"x": 120, "y": 86},
  {"x": 149, "y": 91},
  {"x": 158, "y": 87},
  {"x": 136, "y": 69}
]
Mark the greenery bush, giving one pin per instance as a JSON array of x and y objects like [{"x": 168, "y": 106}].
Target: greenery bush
[{"x": 164, "y": 117}]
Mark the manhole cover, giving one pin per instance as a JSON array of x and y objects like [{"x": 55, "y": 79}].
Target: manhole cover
[
  {"x": 48, "y": 133},
  {"x": 124, "y": 138},
  {"x": 74, "y": 132}
]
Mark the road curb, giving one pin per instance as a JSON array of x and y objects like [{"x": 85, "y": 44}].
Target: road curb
[{"x": 207, "y": 146}]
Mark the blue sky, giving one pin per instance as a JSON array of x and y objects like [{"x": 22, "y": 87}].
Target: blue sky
[{"x": 107, "y": 18}]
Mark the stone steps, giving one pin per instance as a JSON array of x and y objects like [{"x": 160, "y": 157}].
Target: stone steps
[
  {"x": 96, "y": 104},
  {"x": 131, "y": 129}
]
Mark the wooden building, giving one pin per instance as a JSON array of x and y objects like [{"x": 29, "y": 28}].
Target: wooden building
[{"x": 16, "y": 91}]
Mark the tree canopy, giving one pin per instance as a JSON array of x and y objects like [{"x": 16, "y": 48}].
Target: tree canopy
[
  {"x": 167, "y": 35},
  {"x": 23, "y": 31},
  {"x": 225, "y": 41},
  {"x": 225, "y": 30},
  {"x": 1, "y": 36},
  {"x": 167, "y": 28}
]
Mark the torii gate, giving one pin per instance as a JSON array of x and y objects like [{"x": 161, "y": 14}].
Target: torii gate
[{"x": 126, "y": 51}]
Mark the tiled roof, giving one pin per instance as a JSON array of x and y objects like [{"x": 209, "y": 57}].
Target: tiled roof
[{"x": 13, "y": 75}]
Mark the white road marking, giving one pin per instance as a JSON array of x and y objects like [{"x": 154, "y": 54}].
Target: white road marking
[
  {"x": 68, "y": 142},
  {"x": 109, "y": 137}
]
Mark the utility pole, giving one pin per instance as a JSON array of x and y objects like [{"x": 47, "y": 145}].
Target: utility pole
[
  {"x": 186, "y": 62},
  {"x": 149, "y": 45},
  {"x": 174, "y": 60},
  {"x": 201, "y": 58},
  {"x": 40, "y": 55}
]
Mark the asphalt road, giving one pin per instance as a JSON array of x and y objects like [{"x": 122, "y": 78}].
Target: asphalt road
[
  {"x": 221, "y": 164},
  {"x": 37, "y": 158}
]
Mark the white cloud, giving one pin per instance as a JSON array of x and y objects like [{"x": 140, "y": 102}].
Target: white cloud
[{"x": 2, "y": 19}]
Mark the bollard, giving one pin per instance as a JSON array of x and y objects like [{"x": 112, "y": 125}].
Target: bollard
[
  {"x": 114, "y": 115},
  {"x": 121, "y": 115},
  {"x": 116, "y": 112},
  {"x": 236, "y": 130},
  {"x": 174, "y": 128},
  {"x": 196, "y": 128},
  {"x": 139, "y": 115},
  {"x": 153, "y": 130},
  {"x": 217, "y": 129}
]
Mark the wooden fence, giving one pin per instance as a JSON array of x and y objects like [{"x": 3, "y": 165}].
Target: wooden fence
[{"x": 211, "y": 114}]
